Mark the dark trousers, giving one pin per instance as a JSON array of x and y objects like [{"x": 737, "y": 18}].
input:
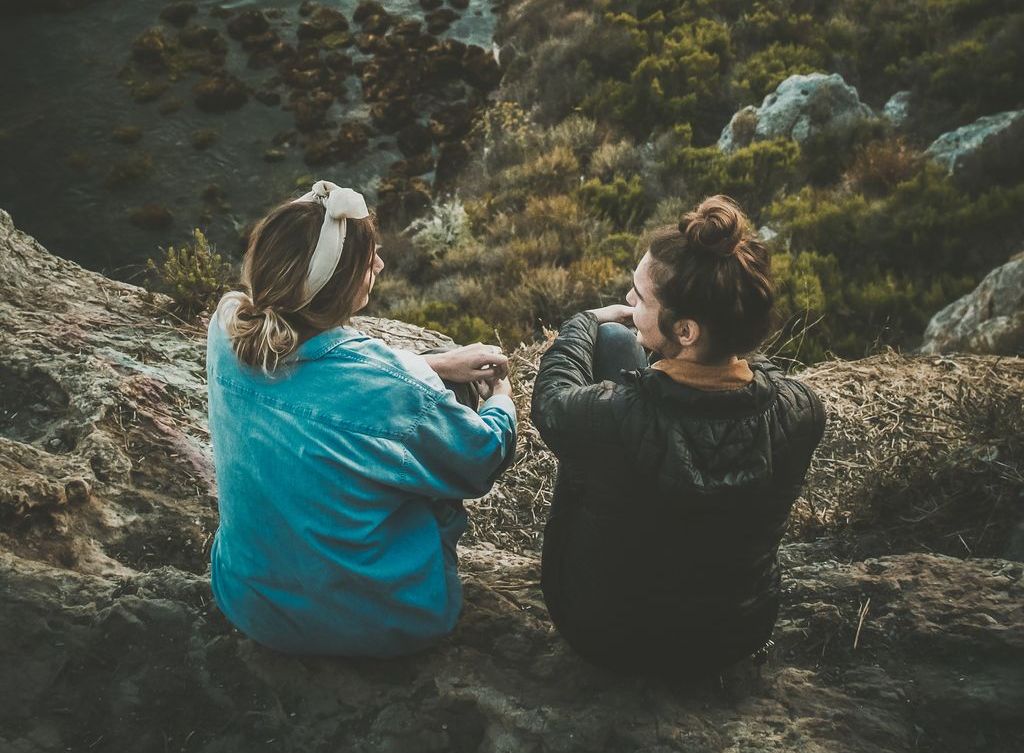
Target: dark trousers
[{"x": 617, "y": 350}]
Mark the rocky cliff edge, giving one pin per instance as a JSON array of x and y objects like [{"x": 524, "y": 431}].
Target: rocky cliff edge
[{"x": 902, "y": 627}]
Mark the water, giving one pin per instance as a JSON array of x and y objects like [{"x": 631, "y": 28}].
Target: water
[{"x": 60, "y": 101}]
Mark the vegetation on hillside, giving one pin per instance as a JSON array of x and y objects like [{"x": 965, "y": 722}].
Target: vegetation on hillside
[{"x": 605, "y": 127}]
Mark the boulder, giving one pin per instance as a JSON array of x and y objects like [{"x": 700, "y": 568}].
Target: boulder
[
  {"x": 178, "y": 13},
  {"x": 897, "y": 109},
  {"x": 802, "y": 106},
  {"x": 989, "y": 319},
  {"x": 219, "y": 94},
  {"x": 983, "y": 151}
]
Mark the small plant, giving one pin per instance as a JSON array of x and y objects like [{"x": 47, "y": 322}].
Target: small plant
[{"x": 193, "y": 275}]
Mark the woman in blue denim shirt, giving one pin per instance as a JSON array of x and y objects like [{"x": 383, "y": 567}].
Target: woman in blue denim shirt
[{"x": 341, "y": 462}]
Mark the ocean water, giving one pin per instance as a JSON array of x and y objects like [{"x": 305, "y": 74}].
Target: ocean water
[{"x": 61, "y": 99}]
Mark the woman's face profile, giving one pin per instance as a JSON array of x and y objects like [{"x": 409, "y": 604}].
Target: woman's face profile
[
  {"x": 370, "y": 278},
  {"x": 646, "y": 307}
]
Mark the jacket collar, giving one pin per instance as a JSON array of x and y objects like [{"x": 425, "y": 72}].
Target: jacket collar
[
  {"x": 704, "y": 377},
  {"x": 756, "y": 397}
]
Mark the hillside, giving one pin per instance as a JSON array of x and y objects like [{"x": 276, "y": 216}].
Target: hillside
[{"x": 894, "y": 635}]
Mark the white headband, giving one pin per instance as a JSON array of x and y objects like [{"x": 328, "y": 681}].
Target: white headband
[{"x": 339, "y": 203}]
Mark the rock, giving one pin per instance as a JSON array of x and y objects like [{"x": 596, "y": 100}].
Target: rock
[
  {"x": 481, "y": 68},
  {"x": 178, "y": 13},
  {"x": 431, "y": 4},
  {"x": 391, "y": 115},
  {"x": 410, "y": 168},
  {"x": 990, "y": 319},
  {"x": 202, "y": 38},
  {"x": 401, "y": 200},
  {"x": 170, "y": 105},
  {"x": 801, "y": 107},
  {"x": 985, "y": 150},
  {"x": 454, "y": 156},
  {"x": 150, "y": 50},
  {"x": 248, "y": 23},
  {"x": 219, "y": 94},
  {"x": 274, "y": 155},
  {"x": 897, "y": 109},
  {"x": 108, "y": 623},
  {"x": 351, "y": 140},
  {"x": 452, "y": 122},
  {"x": 126, "y": 135},
  {"x": 414, "y": 139},
  {"x": 152, "y": 217},
  {"x": 148, "y": 91},
  {"x": 439, "y": 20},
  {"x": 204, "y": 137},
  {"x": 267, "y": 97}
]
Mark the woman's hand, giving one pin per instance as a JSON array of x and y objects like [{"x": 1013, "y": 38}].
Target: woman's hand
[
  {"x": 470, "y": 363},
  {"x": 488, "y": 388},
  {"x": 617, "y": 312}
]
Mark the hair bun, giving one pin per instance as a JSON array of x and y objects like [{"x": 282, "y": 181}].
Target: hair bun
[{"x": 716, "y": 225}]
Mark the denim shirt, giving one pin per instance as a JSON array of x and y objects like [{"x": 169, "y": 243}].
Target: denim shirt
[{"x": 335, "y": 478}]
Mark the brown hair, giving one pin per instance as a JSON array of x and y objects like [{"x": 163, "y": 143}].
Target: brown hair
[
  {"x": 712, "y": 268},
  {"x": 264, "y": 326}
]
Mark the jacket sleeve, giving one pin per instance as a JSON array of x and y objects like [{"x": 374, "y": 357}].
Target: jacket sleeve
[
  {"x": 453, "y": 452},
  {"x": 568, "y": 409}
]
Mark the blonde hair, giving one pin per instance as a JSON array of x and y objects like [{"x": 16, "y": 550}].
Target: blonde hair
[{"x": 264, "y": 324}]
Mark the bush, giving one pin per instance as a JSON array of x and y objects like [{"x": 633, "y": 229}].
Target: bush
[
  {"x": 194, "y": 275},
  {"x": 762, "y": 72},
  {"x": 623, "y": 202}
]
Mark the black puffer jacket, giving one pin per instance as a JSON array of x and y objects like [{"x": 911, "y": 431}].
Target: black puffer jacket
[{"x": 661, "y": 549}]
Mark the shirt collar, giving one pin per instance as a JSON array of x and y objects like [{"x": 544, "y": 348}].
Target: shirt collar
[{"x": 323, "y": 343}]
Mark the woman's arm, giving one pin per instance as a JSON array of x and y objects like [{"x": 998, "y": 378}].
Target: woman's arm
[{"x": 452, "y": 452}]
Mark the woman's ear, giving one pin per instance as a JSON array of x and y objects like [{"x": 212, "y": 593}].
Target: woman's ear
[{"x": 687, "y": 332}]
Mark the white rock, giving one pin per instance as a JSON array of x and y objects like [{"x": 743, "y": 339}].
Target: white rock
[
  {"x": 800, "y": 107},
  {"x": 989, "y": 319},
  {"x": 986, "y": 143},
  {"x": 897, "y": 108}
]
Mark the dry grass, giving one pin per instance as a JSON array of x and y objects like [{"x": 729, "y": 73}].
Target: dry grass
[
  {"x": 512, "y": 516},
  {"x": 921, "y": 453}
]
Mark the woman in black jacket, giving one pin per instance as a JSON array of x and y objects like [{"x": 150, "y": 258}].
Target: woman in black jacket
[{"x": 675, "y": 480}]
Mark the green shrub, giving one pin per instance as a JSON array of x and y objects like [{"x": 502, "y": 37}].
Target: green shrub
[
  {"x": 762, "y": 72},
  {"x": 623, "y": 202},
  {"x": 194, "y": 275}
]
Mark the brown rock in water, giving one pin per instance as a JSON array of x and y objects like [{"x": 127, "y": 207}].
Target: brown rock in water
[
  {"x": 219, "y": 94},
  {"x": 178, "y": 13},
  {"x": 152, "y": 217},
  {"x": 459, "y": 4},
  {"x": 414, "y": 139},
  {"x": 106, "y": 611},
  {"x": 454, "y": 156},
  {"x": 439, "y": 20},
  {"x": 416, "y": 165},
  {"x": 480, "y": 68},
  {"x": 204, "y": 137},
  {"x": 431, "y": 4},
  {"x": 400, "y": 200},
  {"x": 352, "y": 139},
  {"x": 248, "y": 23},
  {"x": 198, "y": 37},
  {"x": 452, "y": 121},
  {"x": 127, "y": 135},
  {"x": 392, "y": 114},
  {"x": 150, "y": 50}
]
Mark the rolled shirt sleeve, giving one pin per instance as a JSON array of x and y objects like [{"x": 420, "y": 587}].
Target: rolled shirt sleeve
[{"x": 453, "y": 452}]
